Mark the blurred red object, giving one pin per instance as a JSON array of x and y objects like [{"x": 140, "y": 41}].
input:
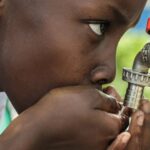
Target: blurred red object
[{"x": 148, "y": 26}]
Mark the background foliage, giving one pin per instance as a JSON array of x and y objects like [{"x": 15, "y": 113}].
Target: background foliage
[
  {"x": 128, "y": 47},
  {"x": 132, "y": 42}
]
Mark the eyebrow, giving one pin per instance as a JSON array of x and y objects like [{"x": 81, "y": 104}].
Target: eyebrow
[
  {"x": 120, "y": 15},
  {"x": 123, "y": 17},
  {"x": 135, "y": 21}
]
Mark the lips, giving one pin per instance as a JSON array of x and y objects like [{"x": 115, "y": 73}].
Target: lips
[{"x": 110, "y": 90}]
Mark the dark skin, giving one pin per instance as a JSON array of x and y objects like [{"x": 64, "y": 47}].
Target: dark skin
[
  {"x": 36, "y": 52},
  {"x": 49, "y": 47}
]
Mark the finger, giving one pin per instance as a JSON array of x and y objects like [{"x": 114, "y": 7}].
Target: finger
[
  {"x": 121, "y": 142},
  {"x": 94, "y": 97},
  {"x": 98, "y": 99},
  {"x": 113, "y": 123},
  {"x": 107, "y": 103},
  {"x": 135, "y": 130},
  {"x": 136, "y": 123},
  {"x": 145, "y": 106},
  {"x": 110, "y": 90}
]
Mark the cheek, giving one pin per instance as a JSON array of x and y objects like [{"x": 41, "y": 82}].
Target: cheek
[
  {"x": 49, "y": 57},
  {"x": 36, "y": 63},
  {"x": 66, "y": 58},
  {"x": 45, "y": 62}
]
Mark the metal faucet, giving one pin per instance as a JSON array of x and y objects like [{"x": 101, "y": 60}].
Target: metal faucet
[{"x": 138, "y": 77}]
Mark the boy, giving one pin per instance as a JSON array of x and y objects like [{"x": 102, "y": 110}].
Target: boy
[{"x": 55, "y": 58}]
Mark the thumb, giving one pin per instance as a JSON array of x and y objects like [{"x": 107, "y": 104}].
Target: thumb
[{"x": 121, "y": 142}]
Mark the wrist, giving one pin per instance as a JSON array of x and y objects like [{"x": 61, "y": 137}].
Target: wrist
[{"x": 21, "y": 134}]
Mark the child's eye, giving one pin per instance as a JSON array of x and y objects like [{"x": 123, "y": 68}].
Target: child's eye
[{"x": 98, "y": 27}]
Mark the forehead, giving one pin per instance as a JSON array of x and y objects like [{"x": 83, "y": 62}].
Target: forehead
[
  {"x": 128, "y": 10},
  {"x": 126, "y": 5}
]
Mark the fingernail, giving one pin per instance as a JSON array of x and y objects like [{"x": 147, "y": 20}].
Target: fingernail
[
  {"x": 140, "y": 118},
  {"x": 143, "y": 101},
  {"x": 125, "y": 138},
  {"x": 146, "y": 108}
]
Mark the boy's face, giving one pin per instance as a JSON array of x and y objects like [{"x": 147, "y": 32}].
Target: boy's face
[{"x": 53, "y": 43}]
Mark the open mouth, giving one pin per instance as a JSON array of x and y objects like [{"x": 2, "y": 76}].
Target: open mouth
[{"x": 110, "y": 91}]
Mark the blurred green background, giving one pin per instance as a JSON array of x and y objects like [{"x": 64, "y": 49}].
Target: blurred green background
[
  {"x": 128, "y": 47},
  {"x": 130, "y": 44}
]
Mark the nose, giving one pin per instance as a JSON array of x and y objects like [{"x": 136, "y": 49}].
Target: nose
[
  {"x": 103, "y": 74},
  {"x": 105, "y": 70}
]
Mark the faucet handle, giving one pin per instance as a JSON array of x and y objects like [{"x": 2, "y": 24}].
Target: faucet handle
[
  {"x": 136, "y": 78},
  {"x": 148, "y": 26}
]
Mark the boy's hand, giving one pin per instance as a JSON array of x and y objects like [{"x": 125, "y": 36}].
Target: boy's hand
[
  {"x": 139, "y": 131},
  {"x": 140, "y": 128},
  {"x": 71, "y": 118},
  {"x": 130, "y": 140},
  {"x": 145, "y": 107}
]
